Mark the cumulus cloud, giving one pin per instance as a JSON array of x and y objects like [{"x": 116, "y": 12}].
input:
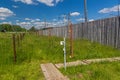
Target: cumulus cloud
[
  {"x": 75, "y": 14},
  {"x": 27, "y": 19},
  {"x": 54, "y": 19},
  {"x": 37, "y": 19},
  {"x": 17, "y": 20},
  {"x": 46, "y": 2},
  {"x": 91, "y": 20},
  {"x": 57, "y": 1},
  {"x": 50, "y": 2},
  {"x": 25, "y": 1},
  {"x": 2, "y": 18},
  {"x": 81, "y": 19},
  {"x": 6, "y": 22},
  {"x": 39, "y": 24},
  {"x": 26, "y": 25},
  {"x": 5, "y": 12},
  {"x": 32, "y": 20},
  {"x": 108, "y": 10}
]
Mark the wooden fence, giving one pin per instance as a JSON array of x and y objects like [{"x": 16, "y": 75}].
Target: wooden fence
[{"x": 105, "y": 31}]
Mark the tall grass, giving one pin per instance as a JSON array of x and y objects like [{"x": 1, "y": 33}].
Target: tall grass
[
  {"x": 27, "y": 66},
  {"x": 34, "y": 50},
  {"x": 84, "y": 49},
  {"x": 99, "y": 71}
]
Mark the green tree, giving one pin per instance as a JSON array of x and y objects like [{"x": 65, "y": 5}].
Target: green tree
[
  {"x": 11, "y": 28},
  {"x": 32, "y": 29}
]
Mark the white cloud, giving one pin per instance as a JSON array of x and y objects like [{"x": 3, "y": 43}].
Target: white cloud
[
  {"x": 65, "y": 20},
  {"x": 32, "y": 20},
  {"x": 2, "y": 18},
  {"x": 54, "y": 19},
  {"x": 75, "y": 14},
  {"x": 26, "y": 25},
  {"x": 37, "y": 23},
  {"x": 27, "y": 19},
  {"x": 25, "y": 1},
  {"x": 91, "y": 20},
  {"x": 108, "y": 10},
  {"x": 46, "y": 2},
  {"x": 57, "y": 1},
  {"x": 40, "y": 24},
  {"x": 37, "y": 19},
  {"x": 6, "y": 22},
  {"x": 5, "y": 12},
  {"x": 81, "y": 19},
  {"x": 17, "y": 20},
  {"x": 50, "y": 2},
  {"x": 14, "y": 6}
]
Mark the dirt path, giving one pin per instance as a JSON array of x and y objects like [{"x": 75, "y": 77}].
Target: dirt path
[{"x": 87, "y": 61}]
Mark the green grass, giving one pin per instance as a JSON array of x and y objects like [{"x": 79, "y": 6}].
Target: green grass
[
  {"x": 27, "y": 66},
  {"x": 99, "y": 71},
  {"x": 84, "y": 49},
  {"x": 34, "y": 50}
]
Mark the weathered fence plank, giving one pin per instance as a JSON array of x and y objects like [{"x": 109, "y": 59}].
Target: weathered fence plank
[{"x": 105, "y": 31}]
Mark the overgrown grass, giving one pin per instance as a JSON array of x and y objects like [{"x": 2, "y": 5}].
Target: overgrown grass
[
  {"x": 97, "y": 71},
  {"x": 84, "y": 49},
  {"x": 34, "y": 50},
  {"x": 27, "y": 66}
]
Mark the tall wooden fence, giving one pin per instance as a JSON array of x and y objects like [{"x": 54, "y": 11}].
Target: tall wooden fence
[{"x": 105, "y": 31}]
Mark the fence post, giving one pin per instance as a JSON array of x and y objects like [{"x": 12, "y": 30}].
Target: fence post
[
  {"x": 14, "y": 48},
  {"x": 21, "y": 36},
  {"x": 117, "y": 32},
  {"x": 71, "y": 40},
  {"x": 18, "y": 40}
]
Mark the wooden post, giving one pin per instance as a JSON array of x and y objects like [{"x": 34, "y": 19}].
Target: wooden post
[
  {"x": 36, "y": 33},
  {"x": 49, "y": 36},
  {"x": 21, "y": 36},
  {"x": 71, "y": 40},
  {"x": 41, "y": 32},
  {"x": 14, "y": 48},
  {"x": 18, "y": 40},
  {"x": 117, "y": 33},
  {"x": 24, "y": 35},
  {"x": 49, "y": 30}
]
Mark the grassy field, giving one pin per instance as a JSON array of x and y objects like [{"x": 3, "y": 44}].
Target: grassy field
[
  {"x": 99, "y": 71},
  {"x": 34, "y": 50},
  {"x": 27, "y": 66}
]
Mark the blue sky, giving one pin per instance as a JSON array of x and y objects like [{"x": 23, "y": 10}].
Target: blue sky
[{"x": 34, "y": 12}]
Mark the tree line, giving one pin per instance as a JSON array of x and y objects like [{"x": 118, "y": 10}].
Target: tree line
[{"x": 11, "y": 28}]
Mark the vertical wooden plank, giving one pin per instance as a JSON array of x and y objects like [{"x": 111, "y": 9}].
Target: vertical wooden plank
[
  {"x": 14, "y": 48},
  {"x": 119, "y": 32},
  {"x": 18, "y": 40},
  {"x": 71, "y": 39}
]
